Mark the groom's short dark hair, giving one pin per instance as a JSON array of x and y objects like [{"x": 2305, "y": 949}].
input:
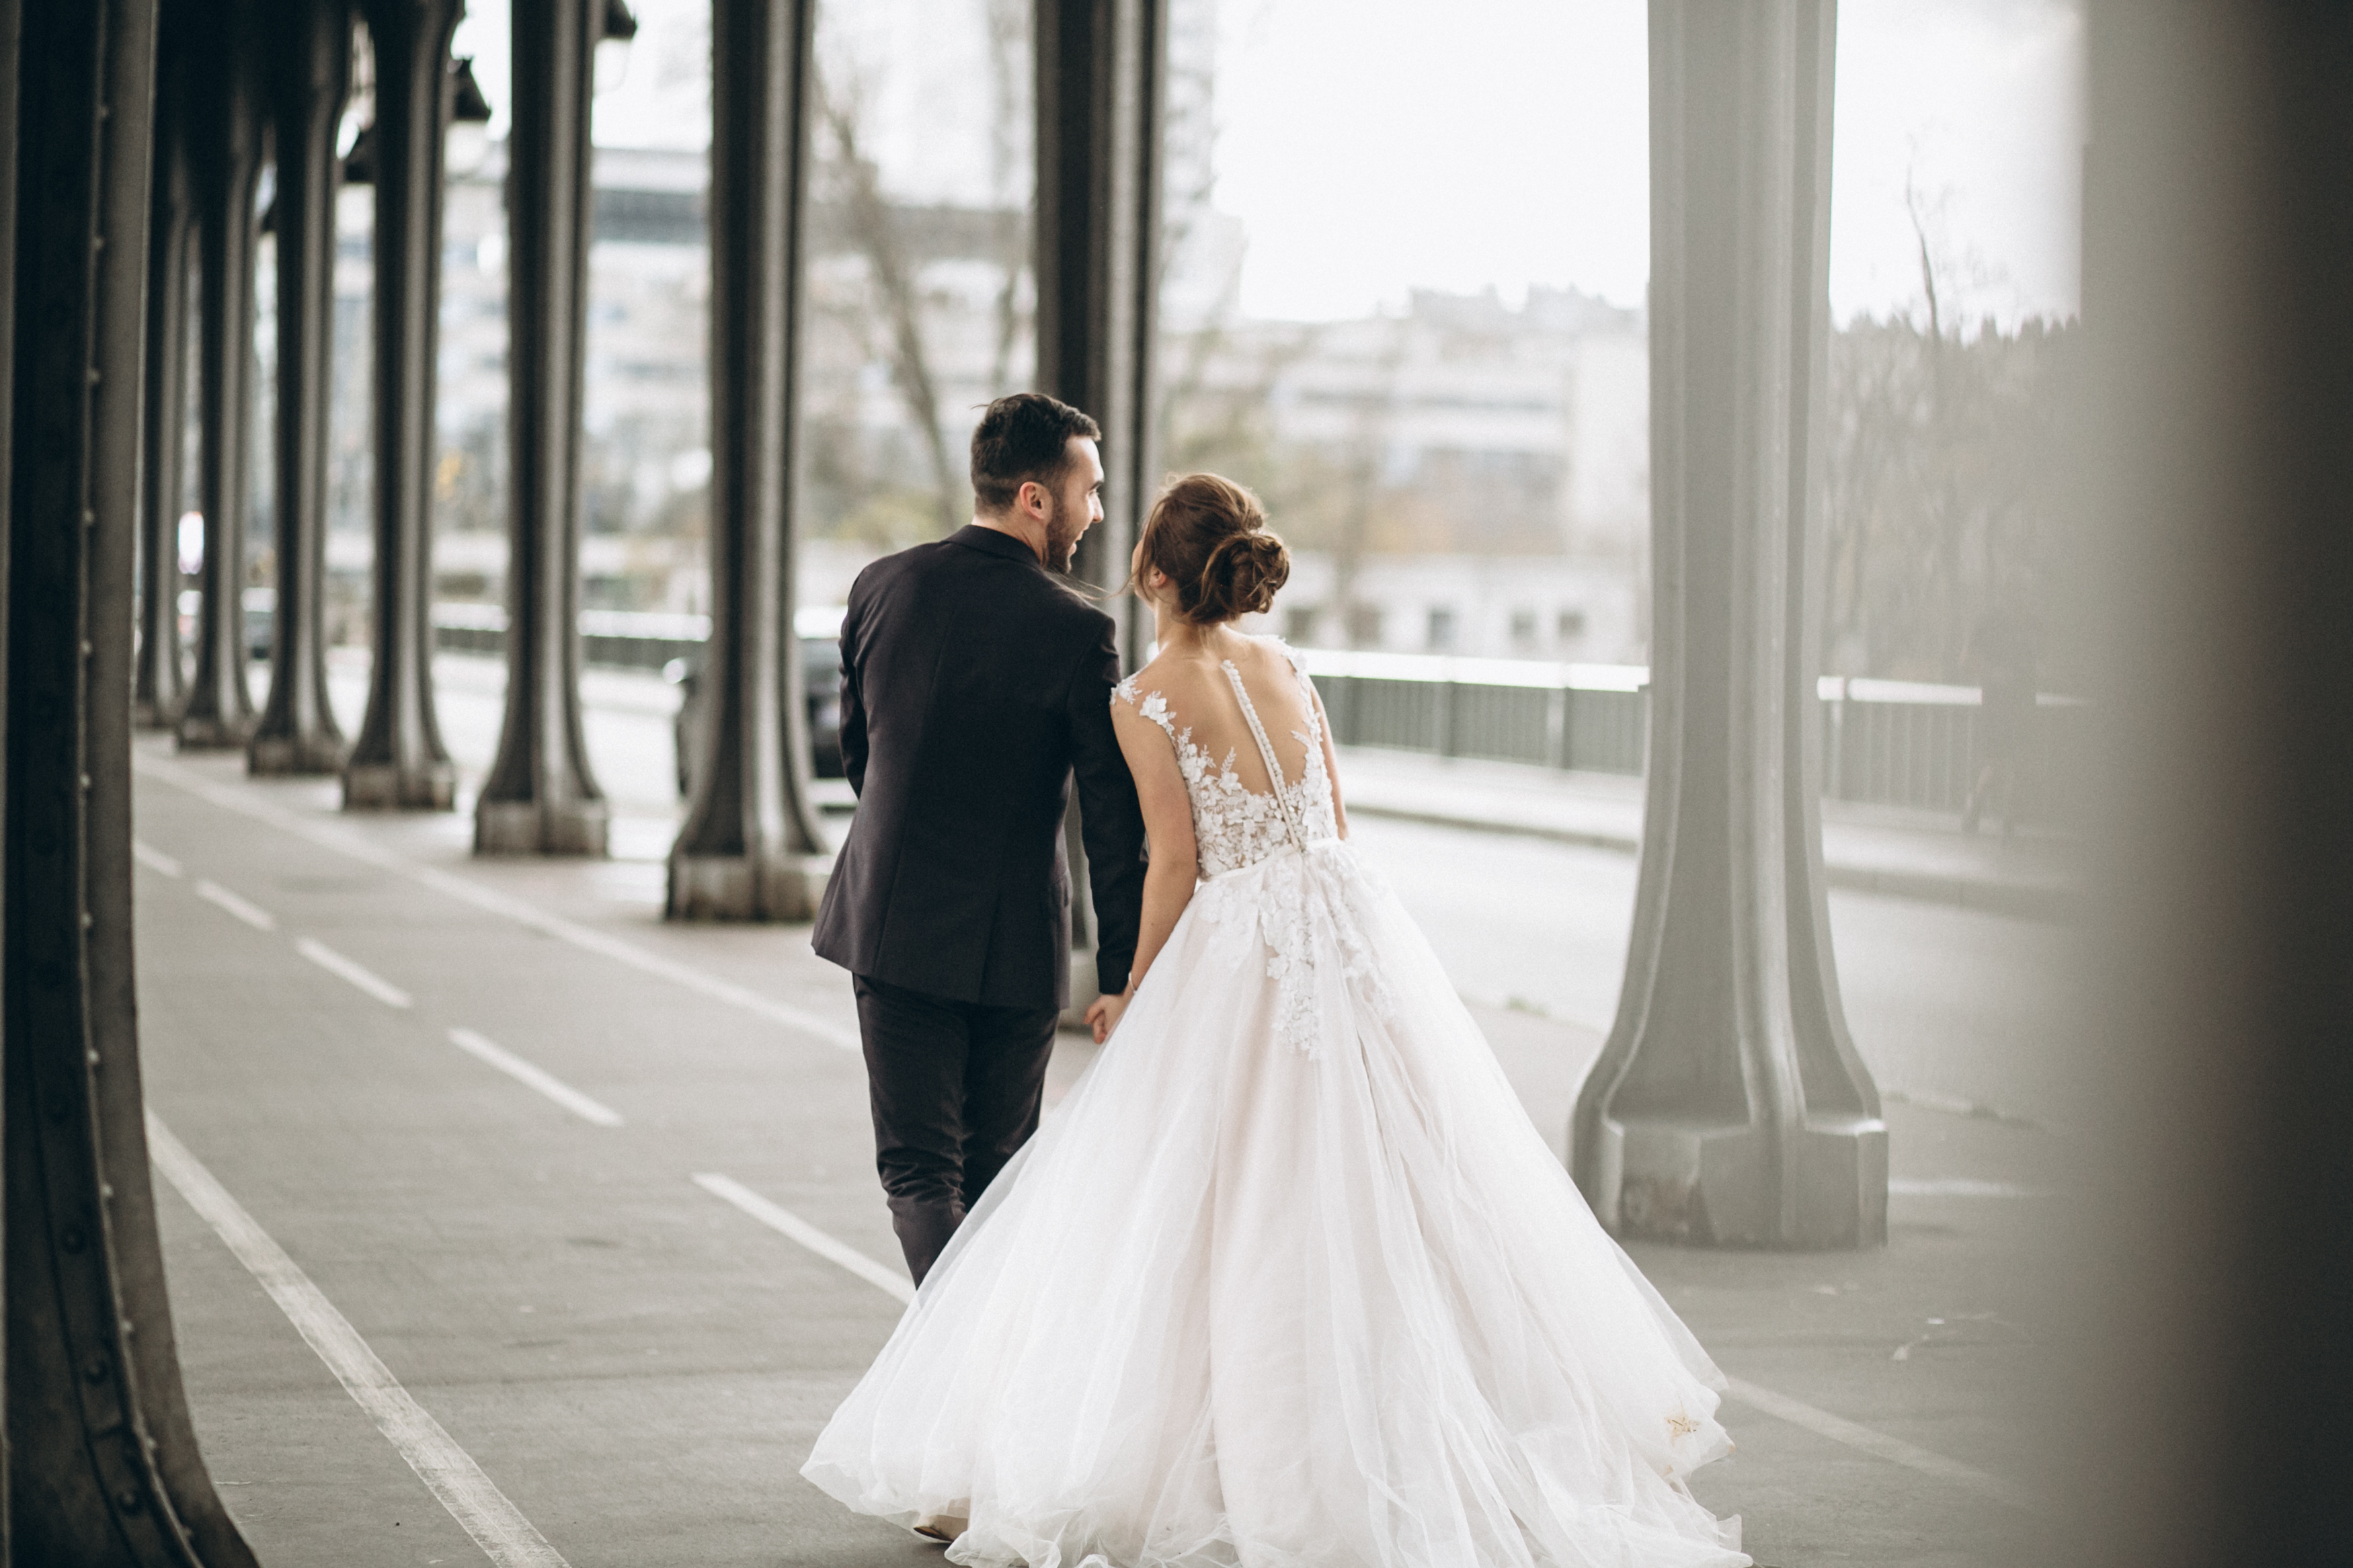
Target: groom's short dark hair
[{"x": 1023, "y": 438}]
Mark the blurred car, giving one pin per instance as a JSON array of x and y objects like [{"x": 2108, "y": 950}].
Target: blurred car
[
  {"x": 819, "y": 627},
  {"x": 260, "y": 605}
]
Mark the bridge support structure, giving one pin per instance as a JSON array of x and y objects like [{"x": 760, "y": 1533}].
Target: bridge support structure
[
  {"x": 308, "y": 45},
  {"x": 751, "y": 848},
  {"x": 227, "y": 121},
  {"x": 1729, "y": 1105},
  {"x": 541, "y": 797},
  {"x": 102, "y": 1463},
  {"x": 398, "y": 761},
  {"x": 158, "y": 682},
  {"x": 308, "y": 65},
  {"x": 1102, "y": 71}
]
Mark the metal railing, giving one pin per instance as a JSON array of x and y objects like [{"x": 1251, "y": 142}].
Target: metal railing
[{"x": 1891, "y": 742}]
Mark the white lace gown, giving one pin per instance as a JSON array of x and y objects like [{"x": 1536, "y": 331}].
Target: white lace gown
[{"x": 1289, "y": 1279}]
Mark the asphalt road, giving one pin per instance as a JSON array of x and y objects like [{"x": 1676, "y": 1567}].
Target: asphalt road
[{"x": 635, "y": 1365}]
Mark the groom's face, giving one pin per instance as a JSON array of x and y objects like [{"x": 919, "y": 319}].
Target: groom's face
[{"x": 1078, "y": 501}]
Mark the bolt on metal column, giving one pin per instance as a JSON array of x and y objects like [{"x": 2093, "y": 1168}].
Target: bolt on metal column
[
  {"x": 541, "y": 797},
  {"x": 227, "y": 157},
  {"x": 309, "y": 71},
  {"x": 751, "y": 848},
  {"x": 1729, "y": 1104},
  {"x": 398, "y": 763}
]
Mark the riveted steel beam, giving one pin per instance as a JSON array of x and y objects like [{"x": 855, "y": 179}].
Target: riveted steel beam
[
  {"x": 1729, "y": 1104},
  {"x": 397, "y": 762},
  {"x": 307, "y": 77},
  {"x": 541, "y": 797},
  {"x": 750, "y": 848},
  {"x": 102, "y": 1465}
]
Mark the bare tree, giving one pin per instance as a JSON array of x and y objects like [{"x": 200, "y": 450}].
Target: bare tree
[{"x": 873, "y": 231}]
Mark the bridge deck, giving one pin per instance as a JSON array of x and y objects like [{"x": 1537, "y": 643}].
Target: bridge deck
[{"x": 636, "y": 1364}]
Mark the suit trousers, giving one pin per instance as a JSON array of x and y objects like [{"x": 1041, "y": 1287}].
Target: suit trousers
[{"x": 956, "y": 1089}]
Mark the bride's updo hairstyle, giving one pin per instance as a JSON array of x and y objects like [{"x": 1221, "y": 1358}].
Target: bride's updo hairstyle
[{"x": 1210, "y": 536}]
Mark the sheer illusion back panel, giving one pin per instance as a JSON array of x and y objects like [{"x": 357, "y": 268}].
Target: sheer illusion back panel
[{"x": 1201, "y": 700}]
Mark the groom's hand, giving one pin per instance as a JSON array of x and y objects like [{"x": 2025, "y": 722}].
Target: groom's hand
[{"x": 1103, "y": 1015}]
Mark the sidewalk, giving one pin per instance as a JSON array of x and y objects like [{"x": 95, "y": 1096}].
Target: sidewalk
[{"x": 1879, "y": 850}]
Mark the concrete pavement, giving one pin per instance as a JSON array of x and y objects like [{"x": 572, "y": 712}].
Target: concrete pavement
[{"x": 639, "y": 1366}]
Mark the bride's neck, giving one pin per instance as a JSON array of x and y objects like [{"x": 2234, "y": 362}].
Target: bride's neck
[{"x": 1178, "y": 636}]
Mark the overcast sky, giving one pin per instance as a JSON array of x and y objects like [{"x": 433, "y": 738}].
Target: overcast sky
[{"x": 1371, "y": 146}]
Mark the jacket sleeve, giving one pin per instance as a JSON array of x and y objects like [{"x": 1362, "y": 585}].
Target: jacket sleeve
[
  {"x": 853, "y": 705},
  {"x": 1110, "y": 821}
]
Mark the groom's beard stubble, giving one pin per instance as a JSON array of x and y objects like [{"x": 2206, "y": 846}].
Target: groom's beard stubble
[{"x": 1062, "y": 536}]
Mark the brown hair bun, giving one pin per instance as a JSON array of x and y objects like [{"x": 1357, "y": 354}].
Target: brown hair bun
[{"x": 1208, "y": 535}]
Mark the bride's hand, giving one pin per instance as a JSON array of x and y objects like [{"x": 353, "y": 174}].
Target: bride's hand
[{"x": 1103, "y": 1015}]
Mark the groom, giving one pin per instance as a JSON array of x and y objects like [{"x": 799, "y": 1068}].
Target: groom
[{"x": 976, "y": 684}]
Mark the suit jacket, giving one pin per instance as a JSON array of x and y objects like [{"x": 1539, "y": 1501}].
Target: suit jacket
[{"x": 974, "y": 686}]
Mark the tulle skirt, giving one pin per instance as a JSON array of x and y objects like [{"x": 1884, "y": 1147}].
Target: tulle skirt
[{"x": 1289, "y": 1280}]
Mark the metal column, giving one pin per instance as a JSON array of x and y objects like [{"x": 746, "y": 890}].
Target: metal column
[
  {"x": 398, "y": 763},
  {"x": 1729, "y": 1104},
  {"x": 309, "y": 71},
  {"x": 103, "y": 1469},
  {"x": 158, "y": 683},
  {"x": 226, "y": 149},
  {"x": 540, "y": 797},
  {"x": 1102, "y": 69},
  {"x": 751, "y": 848}
]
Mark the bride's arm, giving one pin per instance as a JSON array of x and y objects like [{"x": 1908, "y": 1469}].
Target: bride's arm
[
  {"x": 1175, "y": 866},
  {"x": 1330, "y": 760}
]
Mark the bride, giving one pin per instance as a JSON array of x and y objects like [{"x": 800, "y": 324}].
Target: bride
[{"x": 1289, "y": 1280}]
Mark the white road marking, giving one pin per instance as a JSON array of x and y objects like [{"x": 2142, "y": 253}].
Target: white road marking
[
  {"x": 1954, "y": 1187},
  {"x": 344, "y": 841},
  {"x": 154, "y": 859},
  {"x": 368, "y": 980},
  {"x": 1895, "y": 1450},
  {"x": 782, "y": 1219},
  {"x": 258, "y": 919},
  {"x": 524, "y": 1072},
  {"x": 450, "y": 1472}
]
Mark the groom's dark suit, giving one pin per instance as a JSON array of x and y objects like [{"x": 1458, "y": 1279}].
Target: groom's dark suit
[{"x": 975, "y": 687}]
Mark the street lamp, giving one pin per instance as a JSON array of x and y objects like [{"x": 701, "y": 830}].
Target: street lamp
[
  {"x": 469, "y": 119},
  {"x": 620, "y": 26},
  {"x": 468, "y": 138}
]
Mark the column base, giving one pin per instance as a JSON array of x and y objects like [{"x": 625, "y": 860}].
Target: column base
[
  {"x": 203, "y": 732},
  {"x": 286, "y": 756},
  {"x": 154, "y": 715},
  {"x": 388, "y": 786},
  {"x": 1704, "y": 1184},
  {"x": 783, "y": 887},
  {"x": 527, "y": 827}
]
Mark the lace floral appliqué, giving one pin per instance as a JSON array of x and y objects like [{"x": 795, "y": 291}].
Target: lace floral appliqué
[{"x": 1303, "y": 907}]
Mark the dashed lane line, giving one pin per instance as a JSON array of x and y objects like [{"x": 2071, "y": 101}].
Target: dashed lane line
[
  {"x": 221, "y": 898},
  {"x": 778, "y": 1218},
  {"x": 366, "y": 979},
  {"x": 344, "y": 841},
  {"x": 154, "y": 859},
  {"x": 528, "y": 1073},
  {"x": 450, "y": 1472},
  {"x": 1895, "y": 1450},
  {"x": 1821, "y": 1423}
]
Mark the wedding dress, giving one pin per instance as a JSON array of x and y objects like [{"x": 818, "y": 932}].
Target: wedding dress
[{"x": 1289, "y": 1280}]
